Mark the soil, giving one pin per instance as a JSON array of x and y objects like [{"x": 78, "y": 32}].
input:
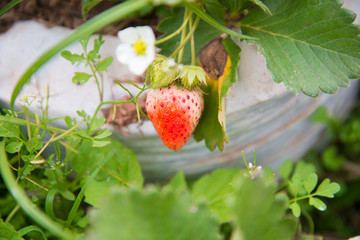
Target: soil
[{"x": 67, "y": 13}]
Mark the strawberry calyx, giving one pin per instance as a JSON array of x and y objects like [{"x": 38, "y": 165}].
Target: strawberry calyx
[{"x": 164, "y": 71}]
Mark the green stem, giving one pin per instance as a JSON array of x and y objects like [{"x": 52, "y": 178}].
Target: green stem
[
  {"x": 32, "y": 211},
  {"x": 302, "y": 197},
  {"x": 24, "y": 123},
  {"x": 188, "y": 36},
  {"x": 309, "y": 220},
  {"x": 178, "y": 31},
  {"x": 80, "y": 196},
  {"x": 12, "y": 213},
  {"x": 192, "y": 44},
  {"x": 182, "y": 37},
  {"x": 9, "y": 6},
  {"x": 109, "y": 16}
]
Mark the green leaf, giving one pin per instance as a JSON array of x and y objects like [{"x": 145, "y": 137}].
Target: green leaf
[
  {"x": 8, "y": 129},
  {"x": 122, "y": 165},
  {"x": 99, "y": 143},
  {"x": 311, "y": 182},
  {"x": 295, "y": 209},
  {"x": 321, "y": 115},
  {"x": 13, "y": 147},
  {"x": 317, "y": 203},
  {"x": 72, "y": 57},
  {"x": 230, "y": 74},
  {"x": 216, "y": 189},
  {"x": 331, "y": 159},
  {"x": 209, "y": 127},
  {"x": 94, "y": 54},
  {"x": 97, "y": 190},
  {"x": 7, "y": 231},
  {"x": 104, "y": 64},
  {"x": 262, "y": 6},
  {"x": 304, "y": 169},
  {"x": 308, "y": 45},
  {"x": 104, "y": 133},
  {"x": 152, "y": 214},
  {"x": 87, "y": 5},
  {"x": 8, "y": 6},
  {"x": 81, "y": 77},
  {"x": 260, "y": 214},
  {"x": 210, "y": 20},
  {"x": 177, "y": 183},
  {"x": 234, "y": 7},
  {"x": 327, "y": 189},
  {"x": 296, "y": 185},
  {"x": 31, "y": 228},
  {"x": 285, "y": 169}
]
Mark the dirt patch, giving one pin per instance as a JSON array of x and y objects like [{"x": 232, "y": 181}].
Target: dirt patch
[
  {"x": 68, "y": 14},
  {"x": 125, "y": 113}
]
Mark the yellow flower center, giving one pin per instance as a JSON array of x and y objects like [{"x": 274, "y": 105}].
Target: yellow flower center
[{"x": 140, "y": 47}]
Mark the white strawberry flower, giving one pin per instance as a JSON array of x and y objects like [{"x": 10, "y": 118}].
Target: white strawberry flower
[
  {"x": 137, "y": 48},
  {"x": 254, "y": 170}
]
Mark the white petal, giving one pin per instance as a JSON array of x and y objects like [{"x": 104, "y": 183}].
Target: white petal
[
  {"x": 124, "y": 53},
  {"x": 128, "y": 35},
  {"x": 139, "y": 64},
  {"x": 146, "y": 34},
  {"x": 150, "y": 51}
]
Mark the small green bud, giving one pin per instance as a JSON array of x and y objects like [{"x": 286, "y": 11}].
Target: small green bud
[
  {"x": 192, "y": 76},
  {"x": 163, "y": 71}
]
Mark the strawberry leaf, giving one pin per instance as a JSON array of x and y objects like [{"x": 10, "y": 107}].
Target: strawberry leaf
[
  {"x": 151, "y": 214},
  {"x": 230, "y": 72},
  {"x": 214, "y": 115},
  {"x": 209, "y": 127},
  {"x": 308, "y": 45}
]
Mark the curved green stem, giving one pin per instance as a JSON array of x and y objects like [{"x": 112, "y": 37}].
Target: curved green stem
[
  {"x": 115, "y": 13},
  {"x": 188, "y": 36},
  {"x": 178, "y": 31},
  {"x": 80, "y": 196},
  {"x": 309, "y": 220},
  {"x": 9, "y": 6},
  {"x": 187, "y": 15},
  {"x": 35, "y": 213},
  {"x": 192, "y": 44}
]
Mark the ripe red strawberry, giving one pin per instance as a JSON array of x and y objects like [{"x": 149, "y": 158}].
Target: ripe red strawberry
[{"x": 174, "y": 111}]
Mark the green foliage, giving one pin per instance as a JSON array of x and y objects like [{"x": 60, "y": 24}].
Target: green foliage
[
  {"x": 92, "y": 59},
  {"x": 341, "y": 159},
  {"x": 303, "y": 44},
  {"x": 7, "y": 231},
  {"x": 217, "y": 189},
  {"x": 261, "y": 202},
  {"x": 301, "y": 182},
  {"x": 152, "y": 214},
  {"x": 203, "y": 34},
  {"x": 209, "y": 127}
]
